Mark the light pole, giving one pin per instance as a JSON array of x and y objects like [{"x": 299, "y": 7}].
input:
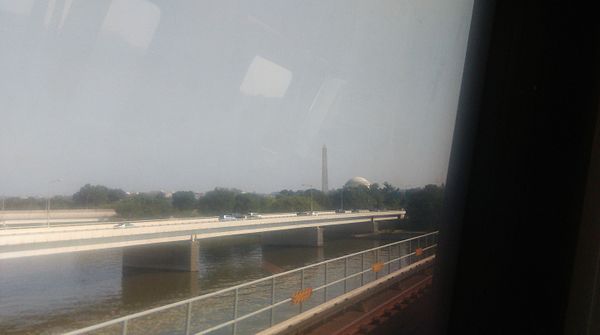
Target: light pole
[
  {"x": 311, "y": 196},
  {"x": 48, "y": 210},
  {"x": 342, "y": 199}
]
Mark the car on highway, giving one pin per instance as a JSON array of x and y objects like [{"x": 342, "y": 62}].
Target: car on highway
[
  {"x": 124, "y": 225},
  {"x": 253, "y": 215},
  {"x": 340, "y": 211},
  {"x": 227, "y": 217}
]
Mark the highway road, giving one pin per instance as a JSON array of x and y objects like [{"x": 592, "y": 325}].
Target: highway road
[
  {"x": 70, "y": 238},
  {"x": 43, "y": 223}
]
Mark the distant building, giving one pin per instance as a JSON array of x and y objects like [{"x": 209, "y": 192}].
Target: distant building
[{"x": 357, "y": 182}]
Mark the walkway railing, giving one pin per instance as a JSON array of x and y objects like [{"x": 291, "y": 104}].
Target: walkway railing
[{"x": 259, "y": 304}]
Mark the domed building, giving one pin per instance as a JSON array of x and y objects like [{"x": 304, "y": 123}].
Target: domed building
[{"x": 357, "y": 182}]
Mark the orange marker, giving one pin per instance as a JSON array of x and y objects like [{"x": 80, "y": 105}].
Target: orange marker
[
  {"x": 377, "y": 267},
  {"x": 301, "y": 296}
]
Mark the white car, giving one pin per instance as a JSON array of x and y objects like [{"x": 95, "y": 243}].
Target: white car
[
  {"x": 227, "y": 217},
  {"x": 124, "y": 225}
]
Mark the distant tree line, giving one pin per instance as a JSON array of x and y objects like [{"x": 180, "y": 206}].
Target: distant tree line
[
  {"x": 33, "y": 203},
  {"x": 423, "y": 204}
]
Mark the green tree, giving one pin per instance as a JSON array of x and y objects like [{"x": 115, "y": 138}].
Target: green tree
[
  {"x": 247, "y": 202},
  {"x": 115, "y": 194},
  {"x": 336, "y": 200},
  {"x": 91, "y": 196},
  {"x": 61, "y": 202},
  {"x": 144, "y": 206},
  {"x": 184, "y": 200},
  {"x": 291, "y": 203},
  {"x": 29, "y": 203},
  {"x": 376, "y": 194},
  {"x": 393, "y": 198},
  {"x": 320, "y": 200},
  {"x": 358, "y": 198},
  {"x": 218, "y": 201},
  {"x": 97, "y": 196}
]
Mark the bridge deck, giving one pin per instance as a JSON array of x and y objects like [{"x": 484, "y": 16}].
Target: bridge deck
[{"x": 43, "y": 241}]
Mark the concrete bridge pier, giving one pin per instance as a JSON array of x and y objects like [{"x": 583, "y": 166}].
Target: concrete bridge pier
[
  {"x": 310, "y": 237},
  {"x": 363, "y": 228},
  {"x": 173, "y": 256},
  {"x": 374, "y": 226}
]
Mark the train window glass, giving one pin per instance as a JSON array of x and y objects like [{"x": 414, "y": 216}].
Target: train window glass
[{"x": 124, "y": 114}]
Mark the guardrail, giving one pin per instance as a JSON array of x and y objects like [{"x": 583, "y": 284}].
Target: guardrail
[{"x": 259, "y": 304}]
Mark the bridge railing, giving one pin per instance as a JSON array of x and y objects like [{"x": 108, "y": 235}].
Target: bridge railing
[{"x": 260, "y": 304}]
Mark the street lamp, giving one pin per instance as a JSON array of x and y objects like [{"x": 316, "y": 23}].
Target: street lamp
[{"x": 311, "y": 196}]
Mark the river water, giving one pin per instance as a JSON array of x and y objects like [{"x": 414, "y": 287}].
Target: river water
[{"x": 57, "y": 293}]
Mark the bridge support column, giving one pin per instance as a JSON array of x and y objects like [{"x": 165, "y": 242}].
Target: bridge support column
[
  {"x": 369, "y": 226},
  {"x": 310, "y": 237},
  {"x": 175, "y": 256},
  {"x": 365, "y": 228},
  {"x": 374, "y": 226}
]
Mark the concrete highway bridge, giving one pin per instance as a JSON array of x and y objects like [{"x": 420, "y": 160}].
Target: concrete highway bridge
[{"x": 173, "y": 244}]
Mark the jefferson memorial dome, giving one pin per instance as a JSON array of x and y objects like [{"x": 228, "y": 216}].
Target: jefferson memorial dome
[{"x": 357, "y": 181}]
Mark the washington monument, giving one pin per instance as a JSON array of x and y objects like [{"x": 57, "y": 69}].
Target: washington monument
[{"x": 324, "y": 182}]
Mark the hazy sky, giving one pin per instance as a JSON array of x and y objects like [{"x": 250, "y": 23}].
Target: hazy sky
[{"x": 188, "y": 95}]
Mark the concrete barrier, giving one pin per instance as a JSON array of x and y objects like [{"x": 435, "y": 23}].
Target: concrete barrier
[{"x": 56, "y": 214}]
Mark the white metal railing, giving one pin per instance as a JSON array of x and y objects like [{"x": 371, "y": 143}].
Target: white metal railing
[{"x": 333, "y": 277}]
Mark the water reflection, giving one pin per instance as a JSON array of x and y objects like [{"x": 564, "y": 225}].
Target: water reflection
[{"x": 145, "y": 288}]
